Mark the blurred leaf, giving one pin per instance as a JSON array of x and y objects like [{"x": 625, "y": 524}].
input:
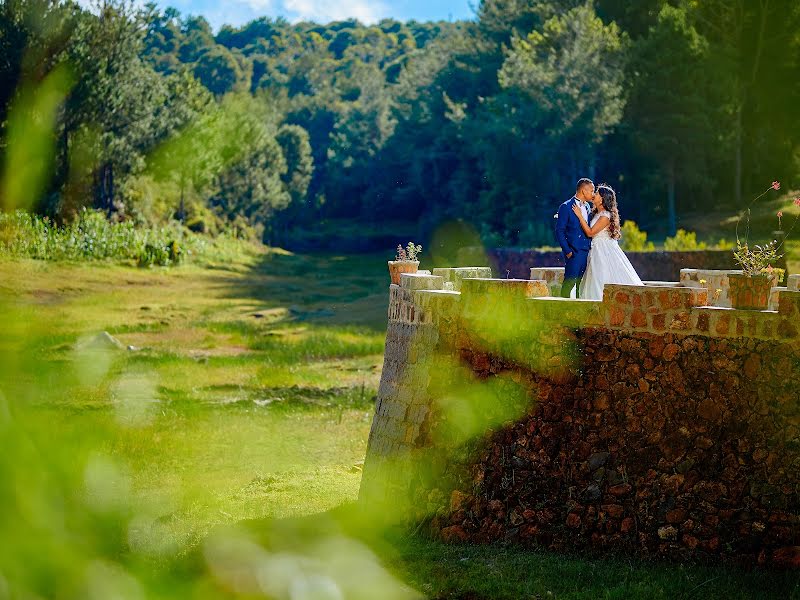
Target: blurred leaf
[{"x": 30, "y": 139}]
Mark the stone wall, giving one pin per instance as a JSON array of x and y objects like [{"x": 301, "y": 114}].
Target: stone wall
[
  {"x": 646, "y": 423},
  {"x": 651, "y": 266}
]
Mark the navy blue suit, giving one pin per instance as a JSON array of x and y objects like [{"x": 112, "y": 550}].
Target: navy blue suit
[{"x": 572, "y": 239}]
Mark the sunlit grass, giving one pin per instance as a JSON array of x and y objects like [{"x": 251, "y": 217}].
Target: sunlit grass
[
  {"x": 715, "y": 224},
  {"x": 250, "y": 408},
  {"x": 242, "y": 406}
]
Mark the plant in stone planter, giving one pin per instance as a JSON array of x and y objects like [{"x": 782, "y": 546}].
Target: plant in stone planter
[
  {"x": 405, "y": 261},
  {"x": 750, "y": 290}
]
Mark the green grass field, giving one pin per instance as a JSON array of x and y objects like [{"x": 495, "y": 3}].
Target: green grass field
[
  {"x": 243, "y": 406},
  {"x": 712, "y": 225}
]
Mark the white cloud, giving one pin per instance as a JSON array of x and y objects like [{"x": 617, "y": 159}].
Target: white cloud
[
  {"x": 321, "y": 11},
  {"x": 238, "y": 12},
  {"x": 94, "y": 5}
]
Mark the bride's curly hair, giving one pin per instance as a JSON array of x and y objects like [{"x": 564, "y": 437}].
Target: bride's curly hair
[{"x": 609, "y": 198}]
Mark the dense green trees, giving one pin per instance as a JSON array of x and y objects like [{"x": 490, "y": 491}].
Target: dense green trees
[
  {"x": 682, "y": 105},
  {"x": 670, "y": 113}
]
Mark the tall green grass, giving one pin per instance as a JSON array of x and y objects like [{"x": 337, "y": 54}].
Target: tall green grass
[{"x": 93, "y": 237}]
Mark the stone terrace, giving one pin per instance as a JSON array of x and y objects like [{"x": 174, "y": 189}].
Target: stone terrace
[{"x": 655, "y": 422}]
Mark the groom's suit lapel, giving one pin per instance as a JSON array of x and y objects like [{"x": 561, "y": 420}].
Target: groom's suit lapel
[
  {"x": 584, "y": 210},
  {"x": 577, "y": 202}
]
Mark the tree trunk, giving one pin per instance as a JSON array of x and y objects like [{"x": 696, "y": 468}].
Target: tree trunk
[
  {"x": 182, "y": 205},
  {"x": 110, "y": 188},
  {"x": 737, "y": 177},
  {"x": 101, "y": 188},
  {"x": 672, "y": 218}
]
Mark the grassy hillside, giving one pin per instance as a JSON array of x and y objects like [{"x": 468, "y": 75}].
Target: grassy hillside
[{"x": 713, "y": 225}]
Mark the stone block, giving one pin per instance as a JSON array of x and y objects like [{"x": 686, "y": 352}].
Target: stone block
[
  {"x": 437, "y": 303},
  {"x": 554, "y": 276},
  {"x": 716, "y": 281},
  {"x": 568, "y": 312},
  {"x": 773, "y": 296},
  {"x": 505, "y": 288},
  {"x": 661, "y": 283},
  {"x": 418, "y": 281},
  {"x": 627, "y": 306},
  {"x": 456, "y": 275},
  {"x": 789, "y": 304}
]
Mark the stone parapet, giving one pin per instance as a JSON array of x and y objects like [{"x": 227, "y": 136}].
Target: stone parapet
[
  {"x": 655, "y": 266},
  {"x": 789, "y": 305},
  {"x": 421, "y": 281},
  {"x": 505, "y": 288},
  {"x": 567, "y": 312},
  {"x": 655, "y": 309},
  {"x": 715, "y": 281},
  {"x": 644, "y": 308},
  {"x": 437, "y": 306},
  {"x": 717, "y": 321}
]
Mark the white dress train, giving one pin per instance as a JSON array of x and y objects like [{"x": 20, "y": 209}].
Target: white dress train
[{"x": 607, "y": 264}]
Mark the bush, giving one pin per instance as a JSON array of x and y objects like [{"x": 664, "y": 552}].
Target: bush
[
  {"x": 633, "y": 239},
  {"x": 162, "y": 256},
  {"x": 683, "y": 241},
  {"x": 92, "y": 237},
  {"x": 723, "y": 244}
]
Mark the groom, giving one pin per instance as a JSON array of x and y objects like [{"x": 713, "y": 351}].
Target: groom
[{"x": 574, "y": 243}]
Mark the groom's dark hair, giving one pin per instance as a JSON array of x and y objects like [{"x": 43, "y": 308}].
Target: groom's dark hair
[{"x": 582, "y": 182}]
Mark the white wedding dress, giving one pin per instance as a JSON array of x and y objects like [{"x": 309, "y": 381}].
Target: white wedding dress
[{"x": 607, "y": 264}]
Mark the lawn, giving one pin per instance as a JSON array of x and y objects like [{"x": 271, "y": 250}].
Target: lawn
[
  {"x": 224, "y": 440},
  {"x": 712, "y": 225}
]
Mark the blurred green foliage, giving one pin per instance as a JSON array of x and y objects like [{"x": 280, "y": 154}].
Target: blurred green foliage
[
  {"x": 684, "y": 240},
  {"x": 634, "y": 239},
  {"x": 115, "y": 464}
]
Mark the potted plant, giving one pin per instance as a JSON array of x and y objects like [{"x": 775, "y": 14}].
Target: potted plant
[
  {"x": 405, "y": 261},
  {"x": 750, "y": 289}
]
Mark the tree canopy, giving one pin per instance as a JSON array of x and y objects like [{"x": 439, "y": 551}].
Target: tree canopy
[{"x": 680, "y": 105}]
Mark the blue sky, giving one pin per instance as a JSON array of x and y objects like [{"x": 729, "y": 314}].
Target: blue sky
[{"x": 237, "y": 12}]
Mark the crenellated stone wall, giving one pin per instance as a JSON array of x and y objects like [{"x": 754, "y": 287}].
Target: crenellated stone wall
[
  {"x": 649, "y": 422},
  {"x": 657, "y": 265}
]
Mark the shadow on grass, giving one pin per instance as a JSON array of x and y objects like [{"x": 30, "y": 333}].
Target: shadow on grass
[
  {"x": 276, "y": 398},
  {"x": 326, "y": 289},
  {"x": 436, "y": 570}
]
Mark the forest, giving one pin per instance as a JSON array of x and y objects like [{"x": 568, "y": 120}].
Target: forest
[{"x": 279, "y": 129}]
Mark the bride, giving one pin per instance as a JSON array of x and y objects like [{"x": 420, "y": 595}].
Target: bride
[{"x": 607, "y": 262}]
